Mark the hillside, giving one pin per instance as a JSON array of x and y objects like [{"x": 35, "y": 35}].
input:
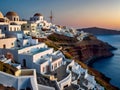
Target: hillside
[
  {"x": 99, "y": 31},
  {"x": 83, "y": 52}
]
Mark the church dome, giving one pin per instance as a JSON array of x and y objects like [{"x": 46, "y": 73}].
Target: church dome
[
  {"x": 11, "y": 13},
  {"x": 37, "y": 14},
  {"x": 1, "y": 15}
]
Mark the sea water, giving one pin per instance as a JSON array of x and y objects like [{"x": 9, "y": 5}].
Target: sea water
[{"x": 110, "y": 66}]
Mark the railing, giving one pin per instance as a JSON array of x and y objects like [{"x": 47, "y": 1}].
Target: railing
[{"x": 65, "y": 81}]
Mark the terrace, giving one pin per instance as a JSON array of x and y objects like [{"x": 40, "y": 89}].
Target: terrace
[
  {"x": 25, "y": 72},
  {"x": 60, "y": 73},
  {"x": 45, "y": 81},
  {"x": 40, "y": 61},
  {"x": 24, "y": 47},
  {"x": 36, "y": 52}
]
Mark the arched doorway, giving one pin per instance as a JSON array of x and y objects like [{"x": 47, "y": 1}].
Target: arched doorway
[
  {"x": 4, "y": 46},
  {"x": 24, "y": 62}
]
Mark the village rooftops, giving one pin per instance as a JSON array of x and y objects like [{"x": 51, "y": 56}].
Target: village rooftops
[
  {"x": 54, "y": 58},
  {"x": 23, "y": 47},
  {"x": 40, "y": 61},
  {"x": 41, "y": 50},
  {"x": 47, "y": 57}
]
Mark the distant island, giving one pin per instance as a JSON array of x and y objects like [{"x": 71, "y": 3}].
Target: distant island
[{"x": 99, "y": 31}]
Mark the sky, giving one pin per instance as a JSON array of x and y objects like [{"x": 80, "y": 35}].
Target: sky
[{"x": 72, "y": 13}]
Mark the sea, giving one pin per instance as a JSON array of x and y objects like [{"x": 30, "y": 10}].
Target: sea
[{"x": 110, "y": 67}]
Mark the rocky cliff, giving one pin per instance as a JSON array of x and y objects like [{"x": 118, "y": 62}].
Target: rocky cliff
[
  {"x": 86, "y": 50},
  {"x": 92, "y": 49}
]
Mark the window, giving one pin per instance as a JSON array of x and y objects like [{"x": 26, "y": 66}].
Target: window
[
  {"x": 27, "y": 26},
  {"x": 52, "y": 67},
  {"x": 4, "y": 46},
  {"x": 14, "y": 19},
  {"x": 10, "y": 28},
  {"x": 15, "y": 29},
  {"x": 11, "y": 43},
  {"x": 23, "y": 26},
  {"x": 43, "y": 69},
  {"x": 59, "y": 63},
  {"x": 55, "y": 65},
  {"x": 5, "y": 28},
  {"x": 19, "y": 46},
  {"x": 48, "y": 68},
  {"x": 24, "y": 62}
]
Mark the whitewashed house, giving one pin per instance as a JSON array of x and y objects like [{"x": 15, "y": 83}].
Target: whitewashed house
[{"x": 6, "y": 42}]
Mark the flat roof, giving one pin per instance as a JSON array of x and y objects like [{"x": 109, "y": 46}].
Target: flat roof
[
  {"x": 54, "y": 57},
  {"x": 20, "y": 48},
  {"x": 41, "y": 50},
  {"x": 60, "y": 73},
  {"x": 40, "y": 61}
]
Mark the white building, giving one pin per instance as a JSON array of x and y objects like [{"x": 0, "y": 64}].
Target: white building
[
  {"x": 10, "y": 27},
  {"x": 29, "y": 28},
  {"x": 10, "y": 22},
  {"x": 20, "y": 79},
  {"x": 29, "y": 53},
  {"x": 6, "y": 42},
  {"x": 82, "y": 35},
  {"x": 2, "y": 35},
  {"x": 26, "y": 79},
  {"x": 14, "y": 18},
  {"x": 37, "y": 18},
  {"x": 41, "y": 23}
]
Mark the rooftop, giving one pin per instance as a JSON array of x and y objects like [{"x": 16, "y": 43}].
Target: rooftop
[
  {"x": 60, "y": 73},
  {"x": 55, "y": 57},
  {"x": 38, "y": 51},
  {"x": 45, "y": 81},
  {"x": 11, "y": 13},
  {"x": 23, "y": 47},
  {"x": 37, "y": 14},
  {"x": 40, "y": 61}
]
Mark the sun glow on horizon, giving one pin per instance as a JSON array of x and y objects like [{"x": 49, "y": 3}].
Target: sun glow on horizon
[{"x": 73, "y": 13}]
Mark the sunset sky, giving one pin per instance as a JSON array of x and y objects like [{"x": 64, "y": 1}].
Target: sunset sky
[{"x": 73, "y": 13}]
